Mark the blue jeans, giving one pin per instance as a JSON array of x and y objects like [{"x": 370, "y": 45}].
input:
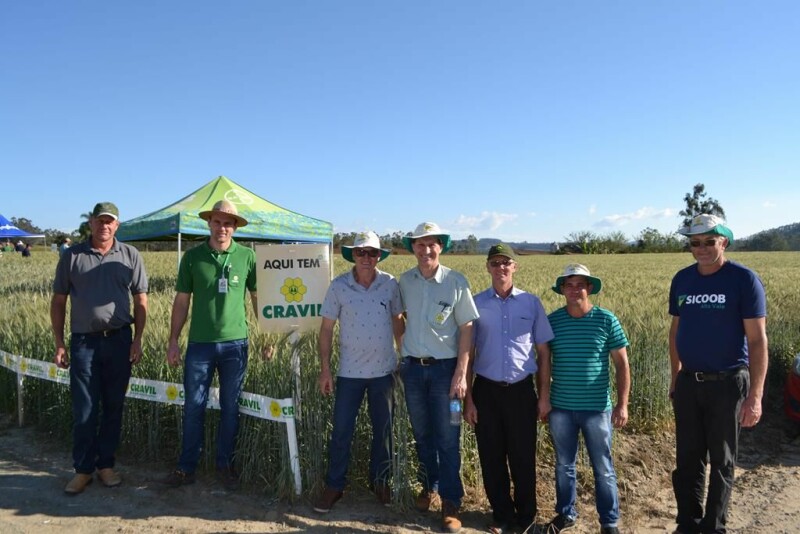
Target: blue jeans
[
  {"x": 438, "y": 443},
  {"x": 98, "y": 375},
  {"x": 596, "y": 430},
  {"x": 229, "y": 358},
  {"x": 380, "y": 400}
]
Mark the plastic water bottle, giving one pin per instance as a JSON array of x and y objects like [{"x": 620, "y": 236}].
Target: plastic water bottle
[{"x": 455, "y": 412}]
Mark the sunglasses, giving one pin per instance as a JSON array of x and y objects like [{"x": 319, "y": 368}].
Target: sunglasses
[
  {"x": 498, "y": 263},
  {"x": 706, "y": 243},
  {"x": 371, "y": 252}
]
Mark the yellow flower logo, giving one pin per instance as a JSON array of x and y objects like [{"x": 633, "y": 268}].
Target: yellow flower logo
[
  {"x": 172, "y": 392},
  {"x": 428, "y": 227},
  {"x": 23, "y": 366},
  {"x": 275, "y": 409},
  {"x": 293, "y": 290},
  {"x": 51, "y": 372}
]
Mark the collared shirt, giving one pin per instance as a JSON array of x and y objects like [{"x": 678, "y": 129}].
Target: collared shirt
[
  {"x": 100, "y": 285},
  {"x": 506, "y": 333},
  {"x": 217, "y": 316},
  {"x": 435, "y": 308},
  {"x": 366, "y": 336}
]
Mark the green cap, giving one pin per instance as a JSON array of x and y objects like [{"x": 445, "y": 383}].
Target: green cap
[
  {"x": 105, "y": 208},
  {"x": 501, "y": 249}
]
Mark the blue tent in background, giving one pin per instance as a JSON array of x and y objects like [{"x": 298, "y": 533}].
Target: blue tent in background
[{"x": 9, "y": 231}]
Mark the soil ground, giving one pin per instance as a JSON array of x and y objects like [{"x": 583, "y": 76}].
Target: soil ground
[{"x": 33, "y": 471}]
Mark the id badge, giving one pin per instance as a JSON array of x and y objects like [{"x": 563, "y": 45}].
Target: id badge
[{"x": 223, "y": 285}]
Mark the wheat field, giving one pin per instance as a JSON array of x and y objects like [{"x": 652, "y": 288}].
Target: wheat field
[{"x": 635, "y": 288}]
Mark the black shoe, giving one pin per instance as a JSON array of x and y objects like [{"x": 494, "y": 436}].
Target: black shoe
[
  {"x": 178, "y": 478},
  {"x": 609, "y": 530},
  {"x": 326, "y": 501},
  {"x": 560, "y": 523},
  {"x": 228, "y": 477}
]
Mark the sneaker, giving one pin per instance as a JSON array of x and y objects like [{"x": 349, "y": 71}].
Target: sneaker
[
  {"x": 425, "y": 499},
  {"x": 326, "y": 501},
  {"x": 383, "y": 492},
  {"x": 109, "y": 478},
  {"x": 228, "y": 477},
  {"x": 560, "y": 523},
  {"x": 178, "y": 478},
  {"x": 77, "y": 484},
  {"x": 450, "y": 520},
  {"x": 609, "y": 530}
]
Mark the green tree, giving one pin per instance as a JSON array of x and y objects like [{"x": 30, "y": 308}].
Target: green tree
[
  {"x": 84, "y": 231},
  {"x": 697, "y": 204}
]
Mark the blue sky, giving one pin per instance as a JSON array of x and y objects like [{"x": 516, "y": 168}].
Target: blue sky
[{"x": 515, "y": 120}]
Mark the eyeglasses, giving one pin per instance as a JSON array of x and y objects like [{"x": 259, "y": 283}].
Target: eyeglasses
[
  {"x": 498, "y": 263},
  {"x": 371, "y": 252},
  {"x": 706, "y": 243}
]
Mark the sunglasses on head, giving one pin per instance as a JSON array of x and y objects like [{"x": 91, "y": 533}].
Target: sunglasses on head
[
  {"x": 696, "y": 243},
  {"x": 498, "y": 263},
  {"x": 371, "y": 252}
]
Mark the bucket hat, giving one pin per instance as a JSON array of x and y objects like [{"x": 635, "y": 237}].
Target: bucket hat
[
  {"x": 428, "y": 229},
  {"x": 707, "y": 224},
  {"x": 367, "y": 239},
  {"x": 224, "y": 207},
  {"x": 576, "y": 269}
]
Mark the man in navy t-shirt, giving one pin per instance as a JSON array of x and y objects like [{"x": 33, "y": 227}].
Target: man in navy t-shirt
[{"x": 718, "y": 356}]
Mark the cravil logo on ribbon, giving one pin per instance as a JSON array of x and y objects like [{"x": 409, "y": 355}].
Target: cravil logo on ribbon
[{"x": 292, "y": 282}]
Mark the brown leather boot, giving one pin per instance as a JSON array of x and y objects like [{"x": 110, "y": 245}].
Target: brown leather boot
[
  {"x": 109, "y": 478},
  {"x": 77, "y": 484},
  {"x": 450, "y": 520}
]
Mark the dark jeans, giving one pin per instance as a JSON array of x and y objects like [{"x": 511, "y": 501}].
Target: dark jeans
[
  {"x": 229, "y": 359},
  {"x": 349, "y": 394},
  {"x": 506, "y": 435},
  {"x": 706, "y": 430},
  {"x": 438, "y": 443},
  {"x": 99, "y": 371}
]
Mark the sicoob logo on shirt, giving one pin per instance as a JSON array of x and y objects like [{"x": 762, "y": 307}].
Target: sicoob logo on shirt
[{"x": 704, "y": 301}]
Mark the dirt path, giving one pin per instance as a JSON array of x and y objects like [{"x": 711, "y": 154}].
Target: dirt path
[{"x": 33, "y": 473}]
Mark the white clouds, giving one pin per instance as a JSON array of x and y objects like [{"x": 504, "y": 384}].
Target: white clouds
[
  {"x": 592, "y": 209},
  {"x": 769, "y": 204},
  {"x": 642, "y": 214},
  {"x": 486, "y": 221}
]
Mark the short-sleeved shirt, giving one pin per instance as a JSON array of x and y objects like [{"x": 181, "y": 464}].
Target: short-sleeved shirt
[
  {"x": 435, "y": 308},
  {"x": 100, "y": 285},
  {"x": 712, "y": 309},
  {"x": 506, "y": 333},
  {"x": 580, "y": 355},
  {"x": 366, "y": 337},
  {"x": 217, "y": 316}
]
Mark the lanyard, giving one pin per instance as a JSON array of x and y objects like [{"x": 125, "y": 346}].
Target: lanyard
[{"x": 224, "y": 264}]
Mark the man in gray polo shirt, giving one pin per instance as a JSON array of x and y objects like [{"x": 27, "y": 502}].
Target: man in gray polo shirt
[
  {"x": 366, "y": 302},
  {"x": 101, "y": 277}
]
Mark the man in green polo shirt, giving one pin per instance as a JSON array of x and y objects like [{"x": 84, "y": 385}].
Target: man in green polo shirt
[{"x": 219, "y": 273}]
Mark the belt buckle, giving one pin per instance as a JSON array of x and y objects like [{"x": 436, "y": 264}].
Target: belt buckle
[
  {"x": 699, "y": 377},
  {"x": 424, "y": 362}
]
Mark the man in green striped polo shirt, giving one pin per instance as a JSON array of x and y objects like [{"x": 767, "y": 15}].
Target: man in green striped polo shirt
[{"x": 579, "y": 398}]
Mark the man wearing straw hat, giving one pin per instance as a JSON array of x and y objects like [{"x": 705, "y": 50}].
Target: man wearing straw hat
[
  {"x": 578, "y": 399},
  {"x": 366, "y": 302},
  {"x": 439, "y": 313},
  {"x": 718, "y": 356},
  {"x": 218, "y": 274},
  {"x": 100, "y": 276},
  {"x": 511, "y": 336}
]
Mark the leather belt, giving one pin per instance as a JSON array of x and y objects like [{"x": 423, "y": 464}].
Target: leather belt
[
  {"x": 505, "y": 384},
  {"x": 425, "y": 362},
  {"x": 107, "y": 333},
  {"x": 715, "y": 376}
]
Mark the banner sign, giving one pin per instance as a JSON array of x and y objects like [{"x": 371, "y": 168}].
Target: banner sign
[
  {"x": 260, "y": 406},
  {"x": 292, "y": 282}
]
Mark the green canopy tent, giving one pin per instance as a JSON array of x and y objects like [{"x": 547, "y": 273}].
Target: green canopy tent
[{"x": 266, "y": 221}]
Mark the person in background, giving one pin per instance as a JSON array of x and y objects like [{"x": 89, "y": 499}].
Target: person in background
[
  {"x": 218, "y": 274},
  {"x": 439, "y": 314},
  {"x": 64, "y": 246},
  {"x": 579, "y": 401},
  {"x": 103, "y": 347},
  {"x": 26, "y": 252},
  {"x": 366, "y": 302},
  {"x": 718, "y": 357},
  {"x": 511, "y": 335}
]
